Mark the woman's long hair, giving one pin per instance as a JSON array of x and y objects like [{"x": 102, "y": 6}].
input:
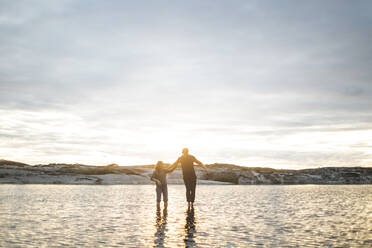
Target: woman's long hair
[{"x": 158, "y": 165}]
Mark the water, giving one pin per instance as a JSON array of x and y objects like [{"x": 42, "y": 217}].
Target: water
[{"x": 224, "y": 216}]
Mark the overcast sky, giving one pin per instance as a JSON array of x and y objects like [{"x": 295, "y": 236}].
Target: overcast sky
[{"x": 283, "y": 84}]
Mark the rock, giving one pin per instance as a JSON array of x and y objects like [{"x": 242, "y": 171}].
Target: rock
[{"x": 14, "y": 172}]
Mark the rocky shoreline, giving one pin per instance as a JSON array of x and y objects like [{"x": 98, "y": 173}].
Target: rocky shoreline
[{"x": 19, "y": 173}]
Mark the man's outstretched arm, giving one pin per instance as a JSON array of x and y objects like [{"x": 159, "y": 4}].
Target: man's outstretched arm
[
  {"x": 173, "y": 166},
  {"x": 201, "y": 164}
]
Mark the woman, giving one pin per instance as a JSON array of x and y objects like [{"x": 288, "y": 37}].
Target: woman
[{"x": 159, "y": 176}]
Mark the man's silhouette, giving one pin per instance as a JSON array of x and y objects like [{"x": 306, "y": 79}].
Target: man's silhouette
[
  {"x": 189, "y": 177},
  {"x": 190, "y": 228}
]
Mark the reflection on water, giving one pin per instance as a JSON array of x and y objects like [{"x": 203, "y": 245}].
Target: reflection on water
[
  {"x": 161, "y": 225},
  {"x": 223, "y": 216},
  {"x": 190, "y": 227}
]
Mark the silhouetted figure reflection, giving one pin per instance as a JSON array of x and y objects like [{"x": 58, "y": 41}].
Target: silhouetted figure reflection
[
  {"x": 161, "y": 224},
  {"x": 190, "y": 227}
]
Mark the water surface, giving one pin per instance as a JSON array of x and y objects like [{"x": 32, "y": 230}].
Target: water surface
[{"x": 224, "y": 216}]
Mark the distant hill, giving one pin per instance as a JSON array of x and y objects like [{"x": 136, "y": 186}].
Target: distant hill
[
  {"x": 8, "y": 162},
  {"x": 21, "y": 173}
]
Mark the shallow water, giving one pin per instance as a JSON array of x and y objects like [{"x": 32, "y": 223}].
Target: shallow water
[{"x": 224, "y": 216}]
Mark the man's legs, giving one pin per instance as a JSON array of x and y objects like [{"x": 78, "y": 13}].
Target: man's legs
[
  {"x": 187, "y": 185},
  {"x": 192, "y": 190},
  {"x": 190, "y": 184}
]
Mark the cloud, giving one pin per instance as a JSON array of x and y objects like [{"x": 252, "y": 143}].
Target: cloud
[{"x": 127, "y": 74}]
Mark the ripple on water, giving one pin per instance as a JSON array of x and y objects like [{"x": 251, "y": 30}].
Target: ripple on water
[{"x": 232, "y": 216}]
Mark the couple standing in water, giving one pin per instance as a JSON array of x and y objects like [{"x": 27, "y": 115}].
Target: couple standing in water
[{"x": 189, "y": 177}]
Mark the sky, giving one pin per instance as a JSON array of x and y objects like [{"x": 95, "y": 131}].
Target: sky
[{"x": 281, "y": 84}]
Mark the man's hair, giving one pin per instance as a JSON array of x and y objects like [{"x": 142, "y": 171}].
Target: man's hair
[{"x": 185, "y": 150}]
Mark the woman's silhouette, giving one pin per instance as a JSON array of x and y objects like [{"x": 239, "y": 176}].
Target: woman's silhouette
[{"x": 161, "y": 225}]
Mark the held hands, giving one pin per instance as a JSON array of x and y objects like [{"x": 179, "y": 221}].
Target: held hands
[{"x": 172, "y": 167}]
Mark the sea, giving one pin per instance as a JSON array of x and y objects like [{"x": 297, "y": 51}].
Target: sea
[{"x": 222, "y": 216}]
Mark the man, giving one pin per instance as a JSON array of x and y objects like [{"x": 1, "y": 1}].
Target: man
[{"x": 189, "y": 176}]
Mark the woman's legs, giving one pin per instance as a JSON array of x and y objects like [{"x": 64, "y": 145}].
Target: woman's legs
[
  {"x": 163, "y": 189},
  {"x": 165, "y": 195},
  {"x": 158, "y": 196}
]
